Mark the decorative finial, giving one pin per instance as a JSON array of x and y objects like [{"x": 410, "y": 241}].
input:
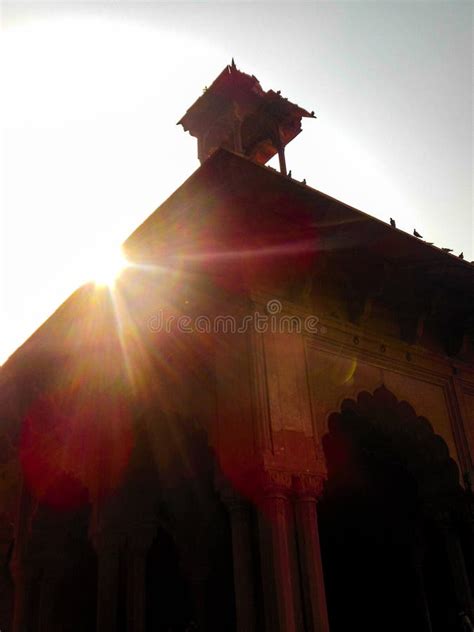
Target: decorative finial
[{"x": 233, "y": 63}]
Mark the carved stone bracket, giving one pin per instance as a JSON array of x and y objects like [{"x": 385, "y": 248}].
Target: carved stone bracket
[
  {"x": 272, "y": 482},
  {"x": 358, "y": 303},
  {"x": 412, "y": 307},
  {"x": 308, "y": 486},
  {"x": 276, "y": 482},
  {"x": 411, "y": 323},
  {"x": 361, "y": 283},
  {"x": 450, "y": 313}
]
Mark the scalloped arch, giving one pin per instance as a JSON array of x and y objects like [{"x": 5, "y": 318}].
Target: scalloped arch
[{"x": 380, "y": 421}]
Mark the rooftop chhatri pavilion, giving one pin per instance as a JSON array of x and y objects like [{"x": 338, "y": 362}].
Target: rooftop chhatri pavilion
[{"x": 237, "y": 114}]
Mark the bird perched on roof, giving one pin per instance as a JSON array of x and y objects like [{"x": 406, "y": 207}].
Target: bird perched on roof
[
  {"x": 447, "y": 249},
  {"x": 289, "y": 173},
  {"x": 312, "y": 112},
  {"x": 278, "y": 91},
  {"x": 461, "y": 255},
  {"x": 304, "y": 181},
  {"x": 392, "y": 223},
  {"x": 417, "y": 234}
]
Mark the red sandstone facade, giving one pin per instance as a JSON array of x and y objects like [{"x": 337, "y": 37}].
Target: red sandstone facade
[{"x": 167, "y": 474}]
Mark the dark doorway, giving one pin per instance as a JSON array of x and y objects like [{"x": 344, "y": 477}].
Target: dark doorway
[
  {"x": 168, "y": 595},
  {"x": 384, "y": 562}
]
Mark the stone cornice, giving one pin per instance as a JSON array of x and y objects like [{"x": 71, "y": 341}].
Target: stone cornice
[{"x": 378, "y": 348}]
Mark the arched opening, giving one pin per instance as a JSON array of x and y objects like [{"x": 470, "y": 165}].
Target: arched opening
[
  {"x": 169, "y": 606},
  {"x": 62, "y": 572},
  {"x": 189, "y": 574},
  {"x": 6, "y": 580},
  {"x": 385, "y": 558},
  {"x": 77, "y": 592}
]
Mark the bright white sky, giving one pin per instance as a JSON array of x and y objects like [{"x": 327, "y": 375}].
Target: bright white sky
[{"x": 92, "y": 93}]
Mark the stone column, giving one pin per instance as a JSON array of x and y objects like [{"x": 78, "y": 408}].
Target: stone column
[
  {"x": 23, "y": 580},
  {"x": 138, "y": 545},
  {"x": 468, "y": 522},
  {"x": 307, "y": 489},
  {"x": 417, "y": 559},
  {"x": 48, "y": 590},
  {"x": 280, "y": 584},
  {"x": 108, "y": 551},
  {"x": 198, "y": 581},
  {"x": 244, "y": 582},
  {"x": 280, "y": 147},
  {"x": 20, "y": 565},
  {"x": 456, "y": 563},
  {"x": 6, "y": 542}
]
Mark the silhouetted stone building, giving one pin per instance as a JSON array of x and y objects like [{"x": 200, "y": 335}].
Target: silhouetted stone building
[{"x": 265, "y": 425}]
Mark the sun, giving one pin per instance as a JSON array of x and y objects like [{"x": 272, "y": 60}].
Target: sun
[{"x": 108, "y": 266}]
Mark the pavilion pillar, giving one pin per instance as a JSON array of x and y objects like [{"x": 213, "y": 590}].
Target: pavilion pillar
[
  {"x": 136, "y": 591},
  {"x": 199, "y": 590},
  {"x": 468, "y": 521},
  {"x": 20, "y": 568},
  {"x": 48, "y": 592},
  {"x": 280, "y": 584},
  {"x": 282, "y": 159},
  {"x": 138, "y": 546},
  {"x": 280, "y": 147},
  {"x": 107, "y": 583},
  {"x": 244, "y": 582},
  {"x": 457, "y": 564},
  {"x": 307, "y": 490},
  {"x": 23, "y": 580},
  {"x": 420, "y": 582}
]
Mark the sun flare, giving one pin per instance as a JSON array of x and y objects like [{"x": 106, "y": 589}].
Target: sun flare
[{"x": 108, "y": 266}]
